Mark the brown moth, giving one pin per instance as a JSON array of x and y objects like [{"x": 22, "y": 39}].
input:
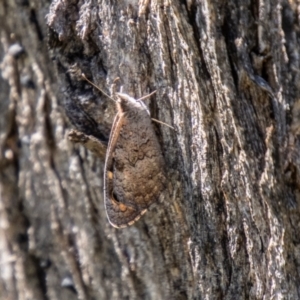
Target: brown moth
[{"x": 134, "y": 166}]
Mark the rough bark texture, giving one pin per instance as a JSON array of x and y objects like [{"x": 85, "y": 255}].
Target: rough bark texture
[{"x": 227, "y": 78}]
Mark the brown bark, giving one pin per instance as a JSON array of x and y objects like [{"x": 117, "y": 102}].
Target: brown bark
[{"x": 227, "y": 79}]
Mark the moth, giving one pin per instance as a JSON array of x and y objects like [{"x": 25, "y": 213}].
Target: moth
[{"x": 134, "y": 165}]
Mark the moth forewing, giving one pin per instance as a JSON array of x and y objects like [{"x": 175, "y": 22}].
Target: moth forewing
[{"x": 133, "y": 175}]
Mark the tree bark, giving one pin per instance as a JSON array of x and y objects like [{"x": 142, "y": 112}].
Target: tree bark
[{"x": 227, "y": 79}]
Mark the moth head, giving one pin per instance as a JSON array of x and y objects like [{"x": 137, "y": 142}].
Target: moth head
[{"x": 127, "y": 103}]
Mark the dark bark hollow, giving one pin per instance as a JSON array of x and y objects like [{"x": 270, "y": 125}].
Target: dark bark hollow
[{"x": 227, "y": 79}]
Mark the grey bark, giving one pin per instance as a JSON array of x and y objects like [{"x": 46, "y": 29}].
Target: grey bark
[{"x": 227, "y": 79}]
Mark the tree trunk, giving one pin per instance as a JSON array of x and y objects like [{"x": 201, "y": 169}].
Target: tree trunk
[{"x": 226, "y": 75}]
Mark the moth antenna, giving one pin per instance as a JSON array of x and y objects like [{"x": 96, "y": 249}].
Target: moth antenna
[
  {"x": 95, "y": 86},
  {"x": 144, "y": 97},
  {"x": 157, "y": 121}
]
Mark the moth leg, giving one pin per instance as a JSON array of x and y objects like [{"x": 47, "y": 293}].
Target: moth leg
[{"x": 90, "y": 142}]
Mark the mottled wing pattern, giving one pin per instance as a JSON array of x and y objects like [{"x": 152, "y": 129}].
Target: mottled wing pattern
[{"x": 134, "y": 168}]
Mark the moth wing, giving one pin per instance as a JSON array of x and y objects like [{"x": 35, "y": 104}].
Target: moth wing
[
  {"x": 134, "y": 175},
  {"x": 119, "y": 214}
]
